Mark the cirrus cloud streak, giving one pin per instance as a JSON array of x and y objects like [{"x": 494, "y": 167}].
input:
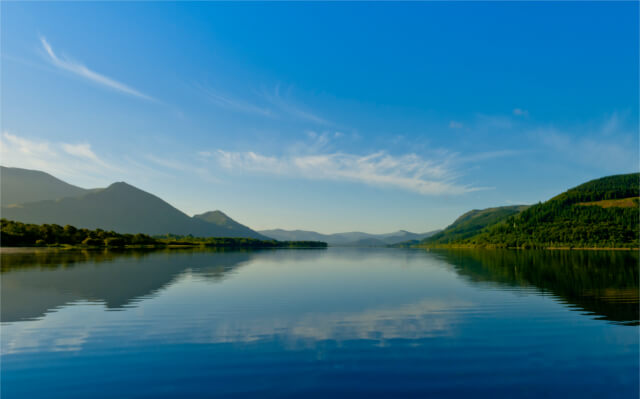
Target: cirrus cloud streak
[
  {"x": 408, "y": 172},
  {"x": 82, "y": 71}
]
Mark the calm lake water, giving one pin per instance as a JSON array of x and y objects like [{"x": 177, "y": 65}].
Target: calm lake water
[{"x": 337, "y": 322}]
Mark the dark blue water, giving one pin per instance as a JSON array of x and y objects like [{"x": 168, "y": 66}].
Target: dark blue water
[{"x": 319, "y": 323}]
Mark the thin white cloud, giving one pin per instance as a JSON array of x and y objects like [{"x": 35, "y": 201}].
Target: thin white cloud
[
  {"x": 84, "y": 151},
  {"x": 408, "y": 172},
  {"x": 591, "y": 151},
  {"x": 181, "y": 166},
  {"x": 82, "y": 71},
  {"x": 71, "y": 161},
  {"x": 80, "y": 150},
  {"x": 455, "y": 125},
  {"x": 483, "y": 156},
  {"x": 235, "y": 104},
  {"x": 609, "y": 147},
  {"x": 291, "y": 108},
  {"x": 520, "y": 112},
  {"x": 277, "y": 106}
]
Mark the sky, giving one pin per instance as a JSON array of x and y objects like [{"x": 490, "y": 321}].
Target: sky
[{"x": 329, "y": 117}]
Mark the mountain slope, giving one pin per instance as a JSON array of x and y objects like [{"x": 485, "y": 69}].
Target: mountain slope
[
  {"x": 122, "y": 208},
  {"x": 367, "y": 242},
  {"x": 403, "y": 236},
  {"x": 223, "y": 221},
  {"x": 24, "y": 185},
  {"x": 473, "y": 222},
  {"x": 295, "y": 235},
  {"x": 568, "y": 219}
]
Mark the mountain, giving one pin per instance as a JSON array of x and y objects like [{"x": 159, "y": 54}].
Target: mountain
[
  {"x": 295, "y": 235},
  {"x": 223, "y": 221},
  {"x": 598, "y": 214},
  {"x": 402, "y": 236},
  {"x": 473, "y": 222},
  {"x": 24, "y": 185},
  {"x": 125, "y": 209},
  {"x": 367, "y": 242},
  {"x": 355, "y": 238}
]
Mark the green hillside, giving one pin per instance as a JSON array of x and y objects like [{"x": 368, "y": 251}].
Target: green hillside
[
  {"x": 567, "y": 220},
  {"x": 472, "y": 223}
]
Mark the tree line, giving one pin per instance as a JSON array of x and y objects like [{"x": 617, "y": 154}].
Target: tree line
[
  {"x": 17, "y": 234},
  {"x": 567, "y": 220}
]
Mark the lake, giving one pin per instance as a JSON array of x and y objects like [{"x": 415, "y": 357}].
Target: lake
[{"x": 336, "y": 322}]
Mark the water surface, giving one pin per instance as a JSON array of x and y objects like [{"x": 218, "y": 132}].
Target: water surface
[{"x": 340, "y": 322}]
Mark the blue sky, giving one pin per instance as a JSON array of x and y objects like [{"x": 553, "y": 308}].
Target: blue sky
[{"x": 324, "y": 116}]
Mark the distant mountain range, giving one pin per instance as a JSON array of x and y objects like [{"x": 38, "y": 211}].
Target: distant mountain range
[
  {"x": 30, "y": 196},
  {"x": 347, "y": 239}
]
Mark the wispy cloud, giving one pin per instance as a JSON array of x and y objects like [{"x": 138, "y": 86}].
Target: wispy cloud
[
  {"x": 408, "y": 172},
  {"x": 225, "y": 101},
  {"x": 455, "y": 125},
  {"x": 289, "y": 107},
  {"x": 484, "y": 156},
  {"x": 274, "y": 105},
  {"x": 76, "y": 161},
  {"x": 84, "y": 151},
  {"x": 609, "y": 147},
  {"x": 86, "y": 73},
  {"x": 520, "y": 112},
  {"x": 182, "y": 166}
]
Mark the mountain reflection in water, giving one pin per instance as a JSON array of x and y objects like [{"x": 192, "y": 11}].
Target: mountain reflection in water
[
  {"x": 34, "y": 282},
  {"x": 602, "y": 283},
  {"x": 337, "y": 322}
]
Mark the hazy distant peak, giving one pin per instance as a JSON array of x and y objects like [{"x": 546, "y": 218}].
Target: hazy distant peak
[
  {"x": 355, "y": 238},
  {"x": 122, "y": 185},
  {"x": 216, "y": 217}
]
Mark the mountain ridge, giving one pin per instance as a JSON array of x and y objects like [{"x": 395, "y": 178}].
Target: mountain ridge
[
  {"x": 354, "y": 238},
  {"x": 18, "y": 185},
  {"x": 120, "y": 207}
]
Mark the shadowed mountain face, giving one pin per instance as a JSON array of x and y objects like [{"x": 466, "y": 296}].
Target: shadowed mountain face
[
  {"x": 23, "y": 185},
  {"x": 223, "y": 221},
  {"x": 347, "y": 239},
  {"x": 119, "y": 207},
  {"x": 603, "y": 283}
]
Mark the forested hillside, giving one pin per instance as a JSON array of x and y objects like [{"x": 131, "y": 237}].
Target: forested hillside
[
  {"x": 472, "y": 223},
  {"x": 575, "y": 218}
]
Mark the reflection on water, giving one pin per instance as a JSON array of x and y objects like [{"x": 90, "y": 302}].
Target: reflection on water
[
  {"x": 34, "y": 282},
  {"x": 604, "y": 283},
  {"x": 386, "y": 322}
]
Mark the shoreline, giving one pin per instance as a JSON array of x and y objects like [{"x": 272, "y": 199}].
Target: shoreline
[
  {"x": 151, "y": 247},
  {"x": 529, "y": 249}
]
